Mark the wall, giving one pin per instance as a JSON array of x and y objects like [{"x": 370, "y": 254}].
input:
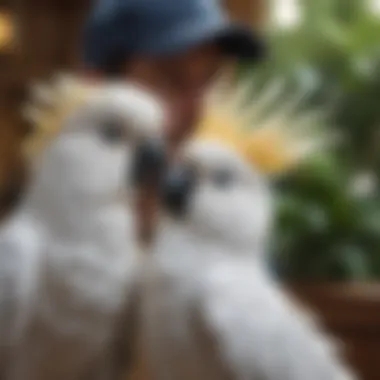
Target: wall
[{"x": 46, "y": 41}]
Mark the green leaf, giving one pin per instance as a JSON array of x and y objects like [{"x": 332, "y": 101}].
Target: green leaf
[{"x": 350, "y": 263}]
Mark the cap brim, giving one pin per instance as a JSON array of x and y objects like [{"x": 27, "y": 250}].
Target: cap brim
[{"x": 241, "y": 42}]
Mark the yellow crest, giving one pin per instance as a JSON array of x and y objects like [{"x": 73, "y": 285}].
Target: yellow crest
[
  {"x": 273, "y": 134},
  {"x": 50, "y": 104},
  {"x": 269, "y": 132}
]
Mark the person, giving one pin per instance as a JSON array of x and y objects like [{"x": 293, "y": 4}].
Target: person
[{"x": 174, "y": 48}]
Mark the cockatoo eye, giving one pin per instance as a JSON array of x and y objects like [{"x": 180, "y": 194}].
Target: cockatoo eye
[
  {"x": 113, "y": 132},
  {"x": 223, "y": 178}
]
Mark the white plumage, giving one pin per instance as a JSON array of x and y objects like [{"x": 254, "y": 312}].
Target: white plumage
[
  {"x": 69, "y": 254},
  {"x": 210, "y": 310}
]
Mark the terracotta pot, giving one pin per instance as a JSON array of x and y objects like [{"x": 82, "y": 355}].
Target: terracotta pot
[{"x": 352, "y": 314}]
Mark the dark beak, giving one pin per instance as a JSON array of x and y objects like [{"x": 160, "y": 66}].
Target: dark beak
[
  {"x": 177, "y": 191},
  {"x": 148, "y": 170},
  {"x": 150, "y": 163}
]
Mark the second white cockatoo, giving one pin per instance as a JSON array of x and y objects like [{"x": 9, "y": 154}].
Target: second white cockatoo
[
  {"x": 210, "y": 309},
  {"x": 69, "y": 253}
]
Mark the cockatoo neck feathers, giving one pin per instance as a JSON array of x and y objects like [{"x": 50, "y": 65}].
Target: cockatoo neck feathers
[{"x": 271, "y": 133}]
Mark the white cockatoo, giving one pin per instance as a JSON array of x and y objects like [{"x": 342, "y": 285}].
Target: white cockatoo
[
  {"x": 69, "y": 253},
  {"x": 210, "y": 310}
]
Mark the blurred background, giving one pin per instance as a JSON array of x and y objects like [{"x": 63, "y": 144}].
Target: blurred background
[
  {"x": 329, "y": 217},
  {"x": 327, "y": 239}
]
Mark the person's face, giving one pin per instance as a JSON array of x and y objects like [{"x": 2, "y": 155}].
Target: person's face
[{"x": 182, "y": 82}]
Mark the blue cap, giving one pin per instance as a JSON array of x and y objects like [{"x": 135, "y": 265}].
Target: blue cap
[{"x": 123, "y": 28}]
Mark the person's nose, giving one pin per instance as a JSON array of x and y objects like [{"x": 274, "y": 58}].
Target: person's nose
[{"x": 185, "y": 115}]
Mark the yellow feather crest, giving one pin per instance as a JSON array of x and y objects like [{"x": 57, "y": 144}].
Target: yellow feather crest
[
  {"x": 273, "y": 144},
  {"x": 271, "y": 134},
  {"x": 49, "y": 105}
]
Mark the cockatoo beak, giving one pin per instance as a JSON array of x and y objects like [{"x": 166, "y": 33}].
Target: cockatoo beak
[
  {"x": 150, "y": 163},
  {"x": 149, "y": 167},
  {"x": 177, "y": 190}
]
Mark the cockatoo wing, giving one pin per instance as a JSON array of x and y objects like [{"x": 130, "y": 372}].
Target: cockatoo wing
[
  {"x": 20, "y": 262},
  {"x": 51, "y": 327},
  {"x": 258, "y": 332}
]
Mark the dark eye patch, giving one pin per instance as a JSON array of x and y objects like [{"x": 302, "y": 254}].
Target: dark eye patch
[{"x": 112, "y": 131}]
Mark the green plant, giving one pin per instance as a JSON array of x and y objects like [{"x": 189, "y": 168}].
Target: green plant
[{"x": 325, "y": 230}]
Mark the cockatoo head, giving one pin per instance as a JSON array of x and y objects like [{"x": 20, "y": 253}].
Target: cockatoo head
[
  {"x": 101, "y": 143},
  {"x": 220, "y": 189},
  {"x": 215, "y": 193}
]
